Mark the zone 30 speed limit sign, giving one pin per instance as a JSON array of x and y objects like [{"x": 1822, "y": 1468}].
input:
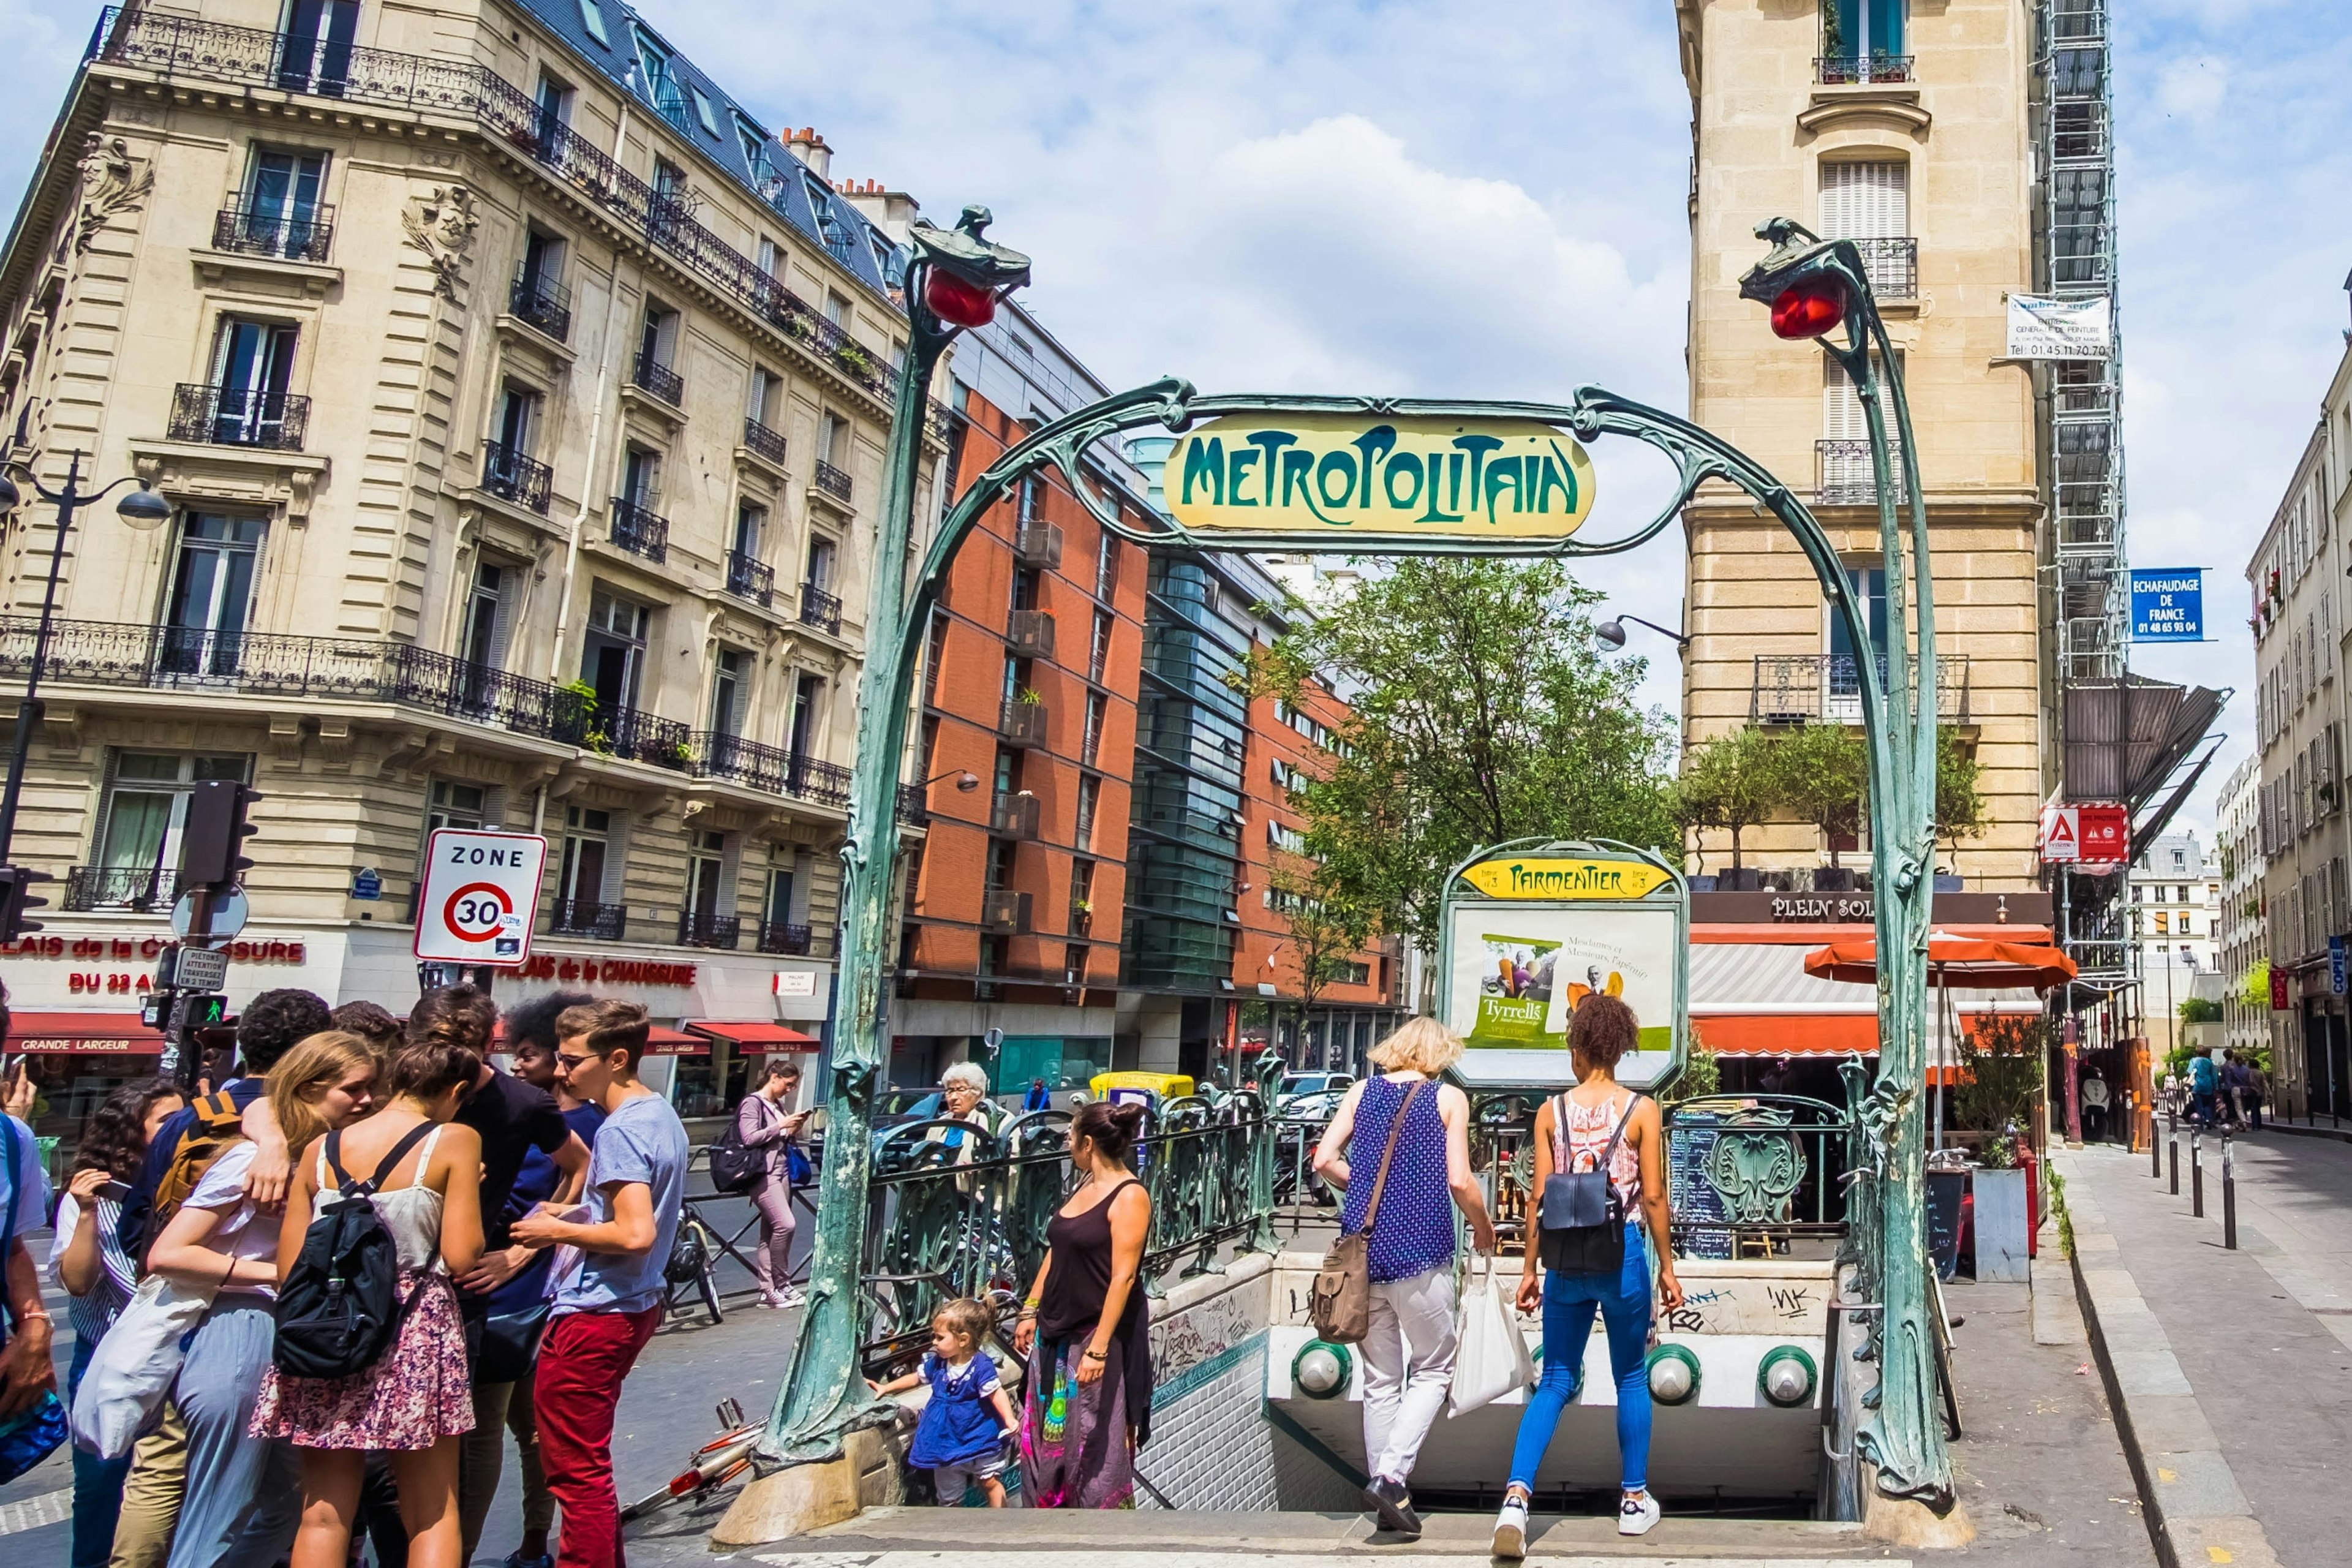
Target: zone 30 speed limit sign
[{"x": 478, "y": 897}]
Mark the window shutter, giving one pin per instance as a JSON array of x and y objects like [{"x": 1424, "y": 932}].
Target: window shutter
[
  {"x": 1865, "y": 201},
  {"x": 501, "y": 617},
  {"x": 1842, "y": 417},
  {"x": 616, "y": 889}
]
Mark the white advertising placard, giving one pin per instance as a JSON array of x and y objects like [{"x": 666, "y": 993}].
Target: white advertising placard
[
  {"x": 1519, "y": 972},
  {"x": 478, "y": 896},
  {"x": 2040, "y": 326}
]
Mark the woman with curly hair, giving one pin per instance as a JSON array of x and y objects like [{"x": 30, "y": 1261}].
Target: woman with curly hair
[{"x": 88, "y": 1259}]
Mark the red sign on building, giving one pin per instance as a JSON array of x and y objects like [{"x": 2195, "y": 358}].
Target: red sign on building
[{"x": 2279, "y": 1003}]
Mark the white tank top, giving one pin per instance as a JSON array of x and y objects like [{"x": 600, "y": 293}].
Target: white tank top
[{"x": 412, "y": 1213}]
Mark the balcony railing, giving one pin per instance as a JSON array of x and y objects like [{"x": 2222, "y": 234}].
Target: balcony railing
[
  {"x": 239, "y": 417},
  {"x": 820, "y": 609},
  {"x": 1892, "y": 265},
  {"x": 1844, "y": 477},
  {"x": 1798, "y": 689},
  {"x": 543, "y": 302},
  {"x": 750, "y": 579},
  {"x": 764, "y": 442},
  {"x": 238, "y": 227},
  {"x": 715, "y": 755},
  {"x": 639, "y": 531},
  {"x": 507, "y": 473},
  {"x": 185, "y": 47},
  {"x": 700, "y": 928},
  {"x": 659, "y": 379},
  {"x": 1037, "y": 545},
  {"x": 1002, "y": 910},
  {"x": 143, "y": 888},
  {"x": 914, "y": 811},
  {"x": 1013, "y": 817},
  {"x": 1849, "y": 70},
  {"x": 831, "y": 481},
  {"x": 1022, "y": 723},
  {"x": 784, "y": 937},
  {"x": 1030, "y": 634},
  {"x": 585, "y": 917}
]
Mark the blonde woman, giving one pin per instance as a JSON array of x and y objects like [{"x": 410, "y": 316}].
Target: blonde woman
[{"x": 1409, "y": 1350}]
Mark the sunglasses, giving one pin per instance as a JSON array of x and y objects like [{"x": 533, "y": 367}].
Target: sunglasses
[{"x": 570, "y": 1064}]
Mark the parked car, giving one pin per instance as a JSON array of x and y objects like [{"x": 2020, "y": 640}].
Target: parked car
[{"x": 1306, "y": 1085}]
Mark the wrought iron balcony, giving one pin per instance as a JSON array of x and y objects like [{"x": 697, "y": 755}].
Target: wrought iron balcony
[
  {"x": 1848, "y": 70},
  {"x": 1030, "y": 634},
  {"x": 543, "y": 302},
  {"x": 245, "y": 230},
  {"x": 764, "y": 442},
  {"x": 750, "y": 579},
  {"x": 1037, "y": 545},
  {"x": 1844, "y": 477},
  {"x": 585, "y": 917},
  {"x": 914, "y": 811},
  {"x": 659, "y": 379},
  {"x": 1003, "y": 911},
  {"x": 820, "y": 609},
  {"x": 714, "y": 754},
  {"x": 1020, "y": 723},
  {"x": 640, "y": 532},
  {"x": 143, "y": 888},
  {"x": 786, "y": 937},
  {"x": 940, "y": 420},
  {"x": 1013, "y": 817},
  {"x": 700, "y": 928},
  {"x": 1892, "y": 265},
  {"x": 239, "y": 417},
  {"x": 507, "y": 473},
  {"x": 1801, "y": 688},
  {"x": 831, "y": 481}
]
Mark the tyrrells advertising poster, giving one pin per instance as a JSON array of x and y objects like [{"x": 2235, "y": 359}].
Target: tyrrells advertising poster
[{"x": 1518, "y": 973}]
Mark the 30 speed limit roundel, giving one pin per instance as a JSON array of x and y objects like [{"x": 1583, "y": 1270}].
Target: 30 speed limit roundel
[{"x": 478, "y": 896}]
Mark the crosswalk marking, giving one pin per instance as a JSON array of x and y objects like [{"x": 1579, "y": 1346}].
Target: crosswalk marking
[{"x": 35, "y": 1512}]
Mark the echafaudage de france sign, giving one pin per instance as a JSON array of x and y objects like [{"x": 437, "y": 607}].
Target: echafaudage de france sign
[{"x": 1486, "y": 479}]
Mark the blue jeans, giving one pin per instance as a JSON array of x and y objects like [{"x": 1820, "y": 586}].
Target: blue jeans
[
  {"x": 1567, "y": 1302},
  {"x": 244, "y": 1494},
  {"x": 96, "y": 1484}
]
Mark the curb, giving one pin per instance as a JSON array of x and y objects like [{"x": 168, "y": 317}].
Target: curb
[
  {"x": 2196, "y": 1512},
  {"x": 2341, "y": 1134}
]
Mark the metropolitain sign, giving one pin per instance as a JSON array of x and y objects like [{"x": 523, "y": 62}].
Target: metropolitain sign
[{"x": 1488, "y": 479}]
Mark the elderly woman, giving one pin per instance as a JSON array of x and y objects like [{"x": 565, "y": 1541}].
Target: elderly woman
[{"x": 963, "y": 1097}]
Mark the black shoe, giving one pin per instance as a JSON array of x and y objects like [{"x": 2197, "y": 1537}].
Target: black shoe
[{"x": 1394, "y": 1505}]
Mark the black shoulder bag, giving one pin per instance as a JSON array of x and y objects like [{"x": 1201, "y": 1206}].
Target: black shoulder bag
[{"x": 1581, "y": 1220}]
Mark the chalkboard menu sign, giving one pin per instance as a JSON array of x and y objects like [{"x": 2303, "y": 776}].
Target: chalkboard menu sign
[
  {"x": 1696, "y": 1201},
  {"x": 1945, "y": 1190}
]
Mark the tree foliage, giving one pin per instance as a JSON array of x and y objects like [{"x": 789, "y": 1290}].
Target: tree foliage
[
  {"x": 1820, "y": 775},
  {"x": 1327, "y": 925},
  {"x": 1482, "y": 711},
  {"x": 1959, "y": 797},
  {"x": 1825, "y": 775},
  {"x": 1733, "y": 782},
  {"x": 2001, "y": 1064}
]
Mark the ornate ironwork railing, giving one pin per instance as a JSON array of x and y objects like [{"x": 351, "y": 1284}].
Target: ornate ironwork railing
[
  {"x": 187, "y": 48},
  {"x": 942, "y": 1226},
  {"x": 140, "y": 888},
  {"x": 1797, "y": 689},
  {"x": 239, "y": 416},
  {"x": 543, "y": 302},
  {"x": 1892, "y": 265},
  {"x": 714, "y": 755},
  {"x": 586, "y": 917},
  {"x": 820, "y": 609},
  {"x": 830, "y": 479},
  {"x": 507, "y": 473},
  {"x": 762, "y": 441},
  {"x": 241, "y": 228},
  {"x": 750, "y": 579},
  {"x": 913, "y": 809},
  {"x": 1845, "y": 70},
  {"x": 639, "y": 530},
  {"x": 701, "y": 928},
  {"x": 659, "y": 379},
  {"x": 782, "y": 937},
  {"x": 1844, "y": 476}
]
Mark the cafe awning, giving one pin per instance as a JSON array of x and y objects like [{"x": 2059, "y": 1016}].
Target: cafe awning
[
  {"x": 754, "y": 1037},
  {"x": 661, "y": 1042},
  {"x": 83, "y": 1034},
  {"x": 1756, "y": 999}
]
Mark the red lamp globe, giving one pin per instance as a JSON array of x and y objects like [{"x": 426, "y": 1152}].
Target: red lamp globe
[
  {"x": 957, "y": 303},
  {"x": 1809, "y": 308}
]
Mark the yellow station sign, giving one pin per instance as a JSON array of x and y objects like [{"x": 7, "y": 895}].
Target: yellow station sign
[
  {"x": 1482, "y": 478},
  {"x": 1552, "y": 878}
]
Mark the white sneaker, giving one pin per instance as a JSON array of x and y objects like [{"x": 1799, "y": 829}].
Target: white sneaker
[
  {"x": 1636, "y": 1514},
  {"x": 1511, "y": 1530}
]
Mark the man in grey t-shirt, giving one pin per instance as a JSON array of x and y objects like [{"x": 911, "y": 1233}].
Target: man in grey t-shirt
[{"x": 608, "y": 1307}]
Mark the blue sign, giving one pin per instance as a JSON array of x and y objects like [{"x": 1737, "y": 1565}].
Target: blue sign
[
  {"x": 2335, "y": 964},
  {"x": 368, "y": 885},
  {"x": 2169, "y": 604}
]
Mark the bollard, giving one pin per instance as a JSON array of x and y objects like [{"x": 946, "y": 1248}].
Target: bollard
[
  {"x": 2197, "y": 1172},
  {"x": 2176, "y": 1162},
  {"x": 2229, "y": 1198}
]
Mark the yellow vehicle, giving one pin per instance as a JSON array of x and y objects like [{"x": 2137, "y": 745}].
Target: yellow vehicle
[{"x": 1160, "y": 1085}]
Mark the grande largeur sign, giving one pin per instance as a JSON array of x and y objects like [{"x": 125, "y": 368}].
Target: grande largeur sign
[
  {"x": 478, "y": 897},
  {"x": 1488, "y": 479},
  {"x": 1529, "y": 935}
]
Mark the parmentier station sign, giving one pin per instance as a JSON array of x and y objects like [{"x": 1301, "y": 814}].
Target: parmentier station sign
[{"x": 1472, "y": 479}]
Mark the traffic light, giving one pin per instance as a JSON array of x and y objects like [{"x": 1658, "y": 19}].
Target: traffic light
[
  {"x": 16, "y": 883},
  {"x": 216, "y": 833}
]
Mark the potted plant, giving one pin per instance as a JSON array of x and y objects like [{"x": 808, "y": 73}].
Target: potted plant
[
  {"x": 853, "y": 359},
  {"x": 2001, "y": 1062}
]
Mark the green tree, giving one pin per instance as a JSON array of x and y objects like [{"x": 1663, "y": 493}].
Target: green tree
[
  {"x": 1482, "y": 711},
  {"x": 1327, "y": 927},
  {"x": 1959, "y": 797},
  {"x": 1824, "y": 771},
  {"x": 1732, "y": 783},
  {"x": 2002, "y": 1062}
]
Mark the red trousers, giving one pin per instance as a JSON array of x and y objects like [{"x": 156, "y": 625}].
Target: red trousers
[{"x": 581, "y": 1362}]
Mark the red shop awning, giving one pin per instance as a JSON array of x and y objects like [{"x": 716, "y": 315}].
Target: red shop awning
[
  {"x": 661, "y": 1042},
  {"x": 86, "y": 1034},
  {"x": 754, "y": 1037}
]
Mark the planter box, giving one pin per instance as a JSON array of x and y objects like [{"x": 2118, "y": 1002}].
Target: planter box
[{"x": 2001, "y": 1226}]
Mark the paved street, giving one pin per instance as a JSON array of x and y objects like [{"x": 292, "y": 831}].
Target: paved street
[{"x": 2236, "y": 1367}]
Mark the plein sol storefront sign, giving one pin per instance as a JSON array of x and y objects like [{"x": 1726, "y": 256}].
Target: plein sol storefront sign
[{"x": 1488, "y": 479}]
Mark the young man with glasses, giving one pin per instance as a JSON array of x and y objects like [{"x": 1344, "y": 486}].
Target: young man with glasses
[{"x": 608, "y": 1306}]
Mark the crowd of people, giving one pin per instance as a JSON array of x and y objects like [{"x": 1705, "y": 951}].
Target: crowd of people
[
  {"x": 2225, "y": 1088},
  {"x": 514, "y": 1227}
]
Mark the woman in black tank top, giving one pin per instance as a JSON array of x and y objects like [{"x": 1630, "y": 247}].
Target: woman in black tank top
[{"x": 1087, "y": 1402}]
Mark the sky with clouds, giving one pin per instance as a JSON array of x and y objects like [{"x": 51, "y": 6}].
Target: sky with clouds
[{"x": 1459, "y": 197}]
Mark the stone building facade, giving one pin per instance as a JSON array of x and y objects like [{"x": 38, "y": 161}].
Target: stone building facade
[
  {"x": 1905, "y": 129},
  {"x": 521, "y": 401},
  {"x": 2244, "y": 939}
]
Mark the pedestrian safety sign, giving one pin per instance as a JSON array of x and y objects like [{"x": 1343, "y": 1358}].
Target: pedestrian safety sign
[{"x": 478, "y": 897}]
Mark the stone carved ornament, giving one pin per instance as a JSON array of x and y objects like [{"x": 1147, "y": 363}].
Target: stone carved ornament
[
  {"x": 112, "y": 181},
  {"x": 441, "y": 223}
]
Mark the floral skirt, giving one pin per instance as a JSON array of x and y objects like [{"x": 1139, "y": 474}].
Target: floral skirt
[
  {"x": 1076, "y": 1451},
  {"x": 418, "y": 1392}
]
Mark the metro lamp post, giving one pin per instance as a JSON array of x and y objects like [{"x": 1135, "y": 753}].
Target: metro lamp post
[{"x": 1613, "y": 631}]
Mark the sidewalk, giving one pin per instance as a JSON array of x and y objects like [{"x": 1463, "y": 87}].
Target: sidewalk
[{"x": 2231, "y": 1372}]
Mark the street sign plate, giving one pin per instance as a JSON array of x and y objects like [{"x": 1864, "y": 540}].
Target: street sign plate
[
  {"x": 199, "y": 969},
  {"x": 230, "y": 911},
  {"x": 478, "y": 897},
  {"x": 2336, "y": 965}
]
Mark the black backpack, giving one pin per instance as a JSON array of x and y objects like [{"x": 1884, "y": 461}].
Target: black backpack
[
  {"x": 340, "y": 1308},
  {"x": 735, "y": 1167}
]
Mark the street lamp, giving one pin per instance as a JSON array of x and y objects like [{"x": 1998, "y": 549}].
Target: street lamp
[
  {"x": 143, "y": 509},
  {"x": 1613, "y": 631},
  {"x": 966, "y": 781}
]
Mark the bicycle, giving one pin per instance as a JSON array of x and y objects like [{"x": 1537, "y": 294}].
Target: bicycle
[
  {"x": 714, "y": 1465},
  {"x": 693, "y": 1264}
]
